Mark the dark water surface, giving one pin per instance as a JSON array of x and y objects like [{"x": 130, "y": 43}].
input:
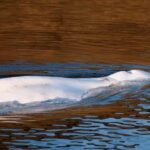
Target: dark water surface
[{"x": 72, "y": 70}]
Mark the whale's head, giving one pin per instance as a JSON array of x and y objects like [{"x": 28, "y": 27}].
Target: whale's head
[{"x": 131, "y": 75}]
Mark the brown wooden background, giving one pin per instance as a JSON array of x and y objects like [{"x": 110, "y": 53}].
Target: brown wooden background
[{"x": 97, "y": 31}]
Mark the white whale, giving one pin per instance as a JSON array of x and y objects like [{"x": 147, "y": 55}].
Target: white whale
[{"x": 28, "y": 89}]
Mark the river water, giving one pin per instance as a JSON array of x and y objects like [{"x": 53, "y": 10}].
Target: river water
[{"x": 119, "y": 121}]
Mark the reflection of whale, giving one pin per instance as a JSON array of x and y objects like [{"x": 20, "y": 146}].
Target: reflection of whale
[{"x": 28, "y": 89}]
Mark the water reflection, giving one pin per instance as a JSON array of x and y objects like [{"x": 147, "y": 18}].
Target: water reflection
[
  {"x": 119, "y": 130},
  {"x": 90, "y": 132}
]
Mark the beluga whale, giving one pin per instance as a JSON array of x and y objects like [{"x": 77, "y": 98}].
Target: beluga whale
[{"x": 29, "y": 89}]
